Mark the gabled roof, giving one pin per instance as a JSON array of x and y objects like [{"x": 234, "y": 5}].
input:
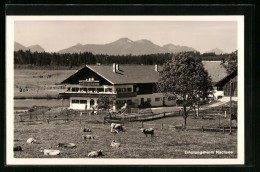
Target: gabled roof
[
  {"x": 127, "y": 74},
  {"x": 215, "y": 69},
  {"x": 226, "y": 79},
  {"x": 131, "y": 74},
  {"x": 147, "y": 74}
]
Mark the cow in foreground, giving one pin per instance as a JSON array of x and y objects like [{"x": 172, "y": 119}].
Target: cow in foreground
[
  {"x": 66, "y": 145},
  {"x": 147, "y": 131},
  {"x": 31, "y": 140},
  {"x": 117, "y": 127},
  {"x": 85, "y": 137},
  {"x": 50, "y": 151},
  {"x": 115, "y": 144},
  {"x": 95, "y": 153},
  {"x": 17, "y": 148}
]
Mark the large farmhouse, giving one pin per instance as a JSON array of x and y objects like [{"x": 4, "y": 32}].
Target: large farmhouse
[{"x": 125, "y": 83}]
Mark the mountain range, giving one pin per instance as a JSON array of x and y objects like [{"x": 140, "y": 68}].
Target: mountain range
[
  {"x": 32, "y": 48},
  {"x": 127, "y": 46},
  {"x": 122, "y": 46}
]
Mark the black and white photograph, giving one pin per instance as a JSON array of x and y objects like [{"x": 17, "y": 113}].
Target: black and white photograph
[{"x": 115, "y": 90}]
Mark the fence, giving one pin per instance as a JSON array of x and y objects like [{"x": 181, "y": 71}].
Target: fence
[
  {"x": 143, "y": 116},
  {"x": 140, "y": 117}
]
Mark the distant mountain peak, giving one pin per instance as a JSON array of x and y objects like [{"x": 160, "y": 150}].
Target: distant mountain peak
[
  {"x": 124, "y": 39},
  {"x": 78, "y": 44},
  {"x": 217, "y": 51},
  {"x": 32, "y": 48}
]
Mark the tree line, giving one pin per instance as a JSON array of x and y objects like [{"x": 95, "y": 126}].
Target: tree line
[{"x": 71, "y": 60}]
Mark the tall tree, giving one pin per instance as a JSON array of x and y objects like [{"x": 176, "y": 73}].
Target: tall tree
[
  {"x": 185, "y": 78},
  {"x": 106, "y": 102},
  {"x": 230, "y": 62}
]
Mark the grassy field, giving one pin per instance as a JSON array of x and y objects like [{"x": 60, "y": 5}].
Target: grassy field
[
  {"x": 167, "y": 143},
  {"x": 40, "y": 83}
]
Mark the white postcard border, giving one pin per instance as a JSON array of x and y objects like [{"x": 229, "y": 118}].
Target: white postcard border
[{"x": 10, "y": 160}]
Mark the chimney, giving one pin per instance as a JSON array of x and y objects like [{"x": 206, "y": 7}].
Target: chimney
[
  {"x": 156, "y": 68},
  {"x": 114, "y": 67},
  {"x": 117, "y": 67}
]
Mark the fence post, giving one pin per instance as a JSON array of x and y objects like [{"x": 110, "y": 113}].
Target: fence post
[
  {"x": 225, "y": 114},
  {"x": 223, "y": 129},
  {"x": 80, "y": 117},
  {"x": 30, "y": 115},
  {"x": 48, "y": 118},
  {"x": 21, "y": 118},
  {"x": 122, "y": 122},
  {"x": 162, "y": 125},
  {"x": 230, "y": 130},
  {"x": 202, "y": 128},
  {"x": 218, "y": 120},
  {"x": 164, "y": 114}
]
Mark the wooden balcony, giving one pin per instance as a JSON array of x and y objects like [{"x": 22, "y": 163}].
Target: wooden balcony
[
  {"x": 84, "y": 94},
  {"x": 127, "y": 94}
]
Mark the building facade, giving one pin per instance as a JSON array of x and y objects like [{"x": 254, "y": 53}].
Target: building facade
[
  {"x": 129, "y": 83},
  {"x": 135, "y": 84}
]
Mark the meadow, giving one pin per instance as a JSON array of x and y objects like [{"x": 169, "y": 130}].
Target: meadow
[
  {"x": 167, "y": 142},
  {"x": 40, "y": 83}
]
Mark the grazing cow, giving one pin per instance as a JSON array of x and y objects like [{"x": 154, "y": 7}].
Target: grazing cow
[
  {"x": 148, "y": 131},
  {"x": 85, "y": 137},
  {"x": 114, "y": 131},
  {"x": 31, "y": 140},
  {"x": 50, "y": 151},
  {"x": 87, "y": 130},
  {"x": 117, "y": 127},
  {"x": 115, "y": 144},
  {"x": 95, "y": 153},
  {"x": 17, "y": 148},
  {"x": 66, "y": 145}
]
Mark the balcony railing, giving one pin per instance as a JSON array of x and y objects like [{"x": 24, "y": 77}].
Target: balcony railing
[
  {"x": 84, "y": 94},
  {"x": 126, "y": 94}
]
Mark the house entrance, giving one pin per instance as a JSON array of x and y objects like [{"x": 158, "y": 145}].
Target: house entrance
[{"x": 92, "y": 102}]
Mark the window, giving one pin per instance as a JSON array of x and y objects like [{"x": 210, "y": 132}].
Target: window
[
  {"x": 137, "y": 89},
  {"x": 129, "y": 89},
  {"x": 220, "y": 88},
  {"x": 149, "y": 100},
  {"x": 153, "y": 89},
  {"x": 157, "y": 99},
  {"x": 171, "y": 98},
  {"x": 118, "y": 90},
  {"x": 75, "y": 89},
  {"x": 75, "y": 101},
  {"x": 123, "y": 89},
  {"x": 83, "y": 101},
  {"x": 100, "y": 89}
]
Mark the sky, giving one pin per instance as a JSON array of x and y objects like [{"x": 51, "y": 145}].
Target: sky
[{"x": 56, "y": 35}]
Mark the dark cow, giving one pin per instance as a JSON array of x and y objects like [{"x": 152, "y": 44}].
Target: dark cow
[{"x": 148, "y": 131}]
